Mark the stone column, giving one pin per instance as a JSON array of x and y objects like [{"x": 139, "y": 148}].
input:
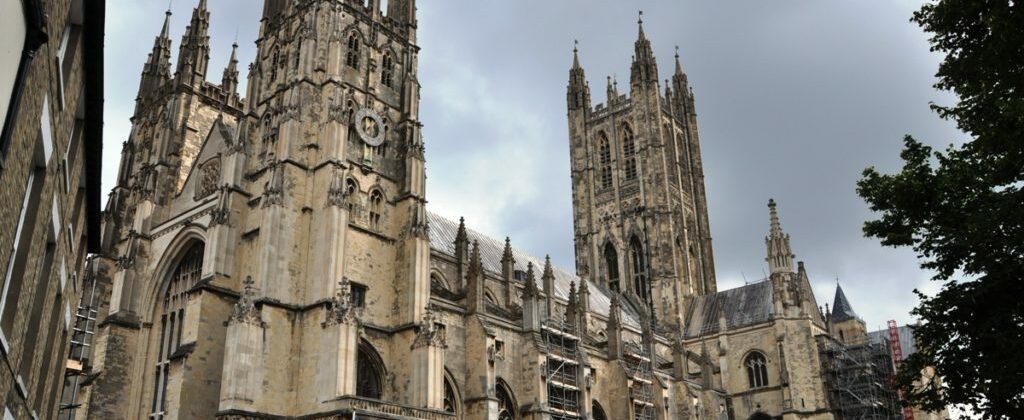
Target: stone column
[
  {"x": 339, "y": 346},
  {"x": 427, "y": 384},
  {"x": 243, "y": 373}
]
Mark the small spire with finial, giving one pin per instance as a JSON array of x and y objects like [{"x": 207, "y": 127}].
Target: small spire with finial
[{"x": 575, "y": 54}]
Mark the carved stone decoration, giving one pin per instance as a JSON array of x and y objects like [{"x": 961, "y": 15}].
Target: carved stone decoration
[
  {"x": 273, "y": 190},
  {"x": 429, "y": 334},
  {"x": 245, "y": 310},
  {"x": 219, "y": 215},
  {"x": 418, "y": 227},
  {"x": 209, "y": 175},
  {"x": 340, "y": 309},
  {"x": 338, "y": 109},
  {"x": 337, "y": 196}
]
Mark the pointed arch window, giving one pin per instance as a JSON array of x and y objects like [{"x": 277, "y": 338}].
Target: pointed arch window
[
  {"x": 387, "y": 70},
  {"x": 611, "y": 260},
  {"x": 451, "y": 399},
  {"x": 757, "y": 369},
  {"x": 638, "y": 264},
  {"x": 352, "y": 55},
  {"x": 597, "y": 411},
  {"x": 376, "y": 209},
  {"x": 604, "y": 157},
  {"x": 507, "y": 409},
  {"x": 351, "y": 189},
  {"x": 629, "y": 153},
  {"x": 171, "y": 316},
  {"x": 369, "y": 371}
]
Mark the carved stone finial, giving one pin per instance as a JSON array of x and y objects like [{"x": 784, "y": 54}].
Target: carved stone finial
[
  {"x": 530, "y": 291},
  {"x": 341, "y": 309},
  {"x": 419, "y": 227},
  {"x": 245, "y": 309},
  {"x": 429, "y": 334}
]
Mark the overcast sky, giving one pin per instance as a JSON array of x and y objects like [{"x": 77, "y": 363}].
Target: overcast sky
[{"x": 795, "y": 98}]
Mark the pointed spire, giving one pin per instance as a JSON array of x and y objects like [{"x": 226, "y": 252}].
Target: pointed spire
[
  {"x": 640, "y": 24},
  {"x": 780, "y": 255},
  {"x": 230, "y": 80},
  {"x": 506, "y": 255},
  {"x": 776, "y": 227},
  {"x": 530, "y": 290},
  {"x": 576, "y": 54},
  {"x": 165, "y": 33},
  {"x": 679, "y": 65},
  {"x": 841, "y": 308}
]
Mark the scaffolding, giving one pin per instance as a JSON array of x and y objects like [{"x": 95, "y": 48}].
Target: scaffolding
[
  {"x": 858, "y": 380},
  {"x": 563, "y": 369},
  {"x": 641, "y": 391}
]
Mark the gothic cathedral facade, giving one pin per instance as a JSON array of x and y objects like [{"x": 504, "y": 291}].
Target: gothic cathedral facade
[{"x": 273, "y": 257}]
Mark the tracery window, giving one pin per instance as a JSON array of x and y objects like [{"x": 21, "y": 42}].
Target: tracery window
[
  {"x": 506, "y": 405},
  {"x": 639, "y": 266},
  {"x": 757, "y": 369},
  {"x": 171, "y": 319},
  {"x": 368, "y": 372},
  {"x": 451, "y": 400},
  {"x": 604, "y": 155},
  {"x": 629, "y": 152},
  {"x": 611, "y": 259},
  {"x": 387, "y": 70},
  {"x": 376, "y": 208},
  {"x": 352, "y": 55}
]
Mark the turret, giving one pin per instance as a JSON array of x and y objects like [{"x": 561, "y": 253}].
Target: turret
[
  {"x": 578, "y": 92},
  {"x": 844, "y": 323},
  {"x": 644, "y": 72},
  {"x": 194, "y": 53},
  {"x": 780, "y": 256}
]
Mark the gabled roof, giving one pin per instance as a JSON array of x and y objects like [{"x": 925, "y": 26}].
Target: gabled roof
[
  {"x": 745, "y": 305},
  {"x": 841, "y": 309},
  {"x": 442, "y": 239}
]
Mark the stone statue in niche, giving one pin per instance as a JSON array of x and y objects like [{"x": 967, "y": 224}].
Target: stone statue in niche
[{"x": 209, "y": 175}]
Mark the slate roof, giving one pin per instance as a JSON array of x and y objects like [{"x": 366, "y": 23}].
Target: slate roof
[
  {"x": 442, "y": 239},
  {"x": 745, "y": 305},
  {"x": 841, "y": 309}
]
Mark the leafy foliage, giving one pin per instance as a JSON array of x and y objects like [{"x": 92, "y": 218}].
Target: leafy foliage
[{"x": 962, "y": 211}]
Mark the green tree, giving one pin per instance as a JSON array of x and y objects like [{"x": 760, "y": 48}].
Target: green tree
[{"x": 962, "y": 211}]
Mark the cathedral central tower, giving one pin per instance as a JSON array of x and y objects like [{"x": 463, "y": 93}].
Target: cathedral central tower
[{"x": 639, "y": 205}]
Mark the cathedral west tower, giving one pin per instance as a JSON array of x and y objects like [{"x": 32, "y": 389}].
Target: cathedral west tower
[{"x": 640, "y": 209}]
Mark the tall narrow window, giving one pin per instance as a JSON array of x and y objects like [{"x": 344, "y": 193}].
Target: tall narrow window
[
  {"x": 23, "y": 233},
  {"x": 611, "y": 259},
  {"x": 171, "y": 319},
  {"x": 639, "y": 268},
  {"x": 376, "y": 208},
  {"x": 352, "y": 55},
  {"x": 368, "y": 372},
  {"x": 628, "y": 153},
  {"x": 69, "y": 44},
  {"x": 757, "y": 369},
  {"x": 274, "y": 58},
  {"x": 351, "y": 189},
  {"x": 506, "y": 405},
  {"x": 451, "y": 399},
  {"x": 387, "y": 70},
  {"x": 604, "y": 158}
]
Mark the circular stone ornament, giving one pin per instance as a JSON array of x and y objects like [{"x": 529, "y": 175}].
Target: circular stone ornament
[{"x": 370, "y": 127}]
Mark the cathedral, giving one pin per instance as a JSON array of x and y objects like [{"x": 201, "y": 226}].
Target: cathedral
[{"x": 273, "y": 256}]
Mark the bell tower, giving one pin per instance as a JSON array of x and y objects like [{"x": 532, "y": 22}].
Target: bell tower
[{"x": 639, "y": 206}]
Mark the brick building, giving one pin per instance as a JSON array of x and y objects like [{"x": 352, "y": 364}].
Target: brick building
[{"x": 51, "y": 101}]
